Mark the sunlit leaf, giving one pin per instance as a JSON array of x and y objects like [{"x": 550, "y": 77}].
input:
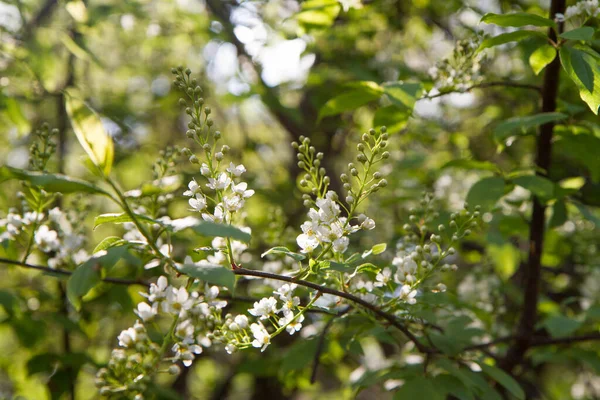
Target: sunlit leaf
[
  {"x": 91, "y": 134},
  {"x": 285, "y": 251},
  {"x": 517, "y": 20},
  {"x": 583, "y": 69},
  {"x": 50, "y": 182},
  {"x": 508, "y": 37},
  {"x": 541, "y": 57}
]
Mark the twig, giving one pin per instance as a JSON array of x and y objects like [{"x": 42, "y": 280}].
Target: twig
[
  {"x": 58, "y": 271},
  {"x": 376, "y": 310}
]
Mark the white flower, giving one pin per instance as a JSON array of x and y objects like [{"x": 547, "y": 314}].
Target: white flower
[
  {"x": 222, "y": 181},
  {"x": 328, "y": 209},
  {"x": 241, "y": 321},
  {"x": 145, "y": 311},
  {"x": 383, "y": 277},
  {"x": 158, "y": 291},
  {"x": 242, "y": 189},
  {"x": 204, "y": 170},
  {"x": 127, "y": 338},
  {"x": 368, "y": 224},
  {"x": 285, "y": 291},
  {"x": 293, "y": 325},
  {"x": 186, "y": 352},
  {"x": 80, "y": 257},
  {"x": 233, "y": 203},
  {"x": 407, "y": 268},
  {"x": 341, "y": 245},
  {"x": 264, "y": 308},
  {"x": 407, "y": 294},
  {"x": 217, "y": 216},
  {"x": 198, "y": 203},
  {"x": 262, "y": 339},
  {"x": 46, "y": 239},
  {"x": 307, "y": 243},
  {"x": 194, "y": 189},
  {"x": 237, "y": 171},
  {"x": 178, "y": 301},
  {"x": 230, "y": 348}
]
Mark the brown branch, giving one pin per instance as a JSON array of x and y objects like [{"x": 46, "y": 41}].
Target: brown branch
[
  {"x": 324, "y": 289},
  {"x": 532, "y": 271},
  {"x": 58, "y": 271},
  {"x": 487, "y": 85}
]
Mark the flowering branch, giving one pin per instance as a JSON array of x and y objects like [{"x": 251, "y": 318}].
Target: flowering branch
[
  {"x": 324, "y": 289},
  {"x": 58, "y": 271}
]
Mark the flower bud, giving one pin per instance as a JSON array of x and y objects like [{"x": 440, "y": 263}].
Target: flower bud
[
  {"x": 207, "y": 110},
  {"x": 361, "y": 158},
  {"x": 349, "y": 199},
  {"x": 360, "y": 147},
  {"x": 174, "y": 369},
  {"x": 219, "y": 156},
  {"x": 377, "y": 175},
  {"x": 372, "y": 132},
  {"x": 194, "y": 159},
  {"x": 217, "y": 135},
  {"x": 383, "y": 183},
  {"x": 385, "y": 155}
]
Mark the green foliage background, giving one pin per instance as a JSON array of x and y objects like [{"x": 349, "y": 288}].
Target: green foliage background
[{"x": 369, "y": 68}]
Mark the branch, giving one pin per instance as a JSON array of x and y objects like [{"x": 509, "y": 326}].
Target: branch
[
  {"x": 65, "y": 272},
  {"x": 324, "y": 289},
  {"x": 533, "y": 269},
  {"x": 487, "y": 85}
]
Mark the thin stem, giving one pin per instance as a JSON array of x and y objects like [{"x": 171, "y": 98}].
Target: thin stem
[
  {"x": 65, "y": 272},
  {"x": 376, "y": 310}
]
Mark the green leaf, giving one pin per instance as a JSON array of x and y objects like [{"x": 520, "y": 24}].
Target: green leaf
[
  {"x": 378, "y": 248},
  {"x": 503, "y": 38},
  {"x": 583, "y": 69},
  {"x": 582, "y": 150},
  {"x": 91, "y": 134},
  {"x": 450, "y": 385},
  {"x": 559, "y": 214},
  {"x": 584, "y": 33},
  {"x": 120, "y": 218},
  {"x": 362, "y": 93},
  {"x": 15, "y": 114},
  {"x": 285, "y": 251},
  {"x": 507, "y": 381},
  {"x": 336, "y": 266},
  {"x": 210, "y": 273},
  {"x": 486, "y": 192},
  {"x": 318, "y": 13},
  {"x": 87, "y": 275},
  {"x": 587, "y": 214},
  {"x": 213, "y": 229},
  {"x": 506, "y": 259},
  {"x": 418, "y": 388},
  {"x": 108, "y": 242},
  {"x": 541, "y": 57},
  {"x": 403, "y": 95},
  {"x": 517, "y": 20},
  {"x": 472, "y": 165},
  {"x": 50, "y": 182},
  {"x": 393, "y": 118},
  {"x": 538, "y": 185},
  {"x": 84, "y": 278},
  {"x": 521, "y": 124},
  {"x": 561, "y": 326}
]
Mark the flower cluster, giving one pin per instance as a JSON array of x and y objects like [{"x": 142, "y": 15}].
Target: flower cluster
[
  {"x": 326, "y": 226},
  {"x": 580, "y": 12},
  {"x": 461, "y": 70},
  {"x": 419, "y": 255},
  {"x": 197, "y": 323}
]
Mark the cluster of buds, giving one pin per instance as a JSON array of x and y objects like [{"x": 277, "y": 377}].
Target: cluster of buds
[
  {"x": 462, "y": 69},
  {"x": 42, "y": 148}
]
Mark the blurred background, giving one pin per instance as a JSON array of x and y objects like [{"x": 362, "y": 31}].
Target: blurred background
[{"x": 267, "y": 68}]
